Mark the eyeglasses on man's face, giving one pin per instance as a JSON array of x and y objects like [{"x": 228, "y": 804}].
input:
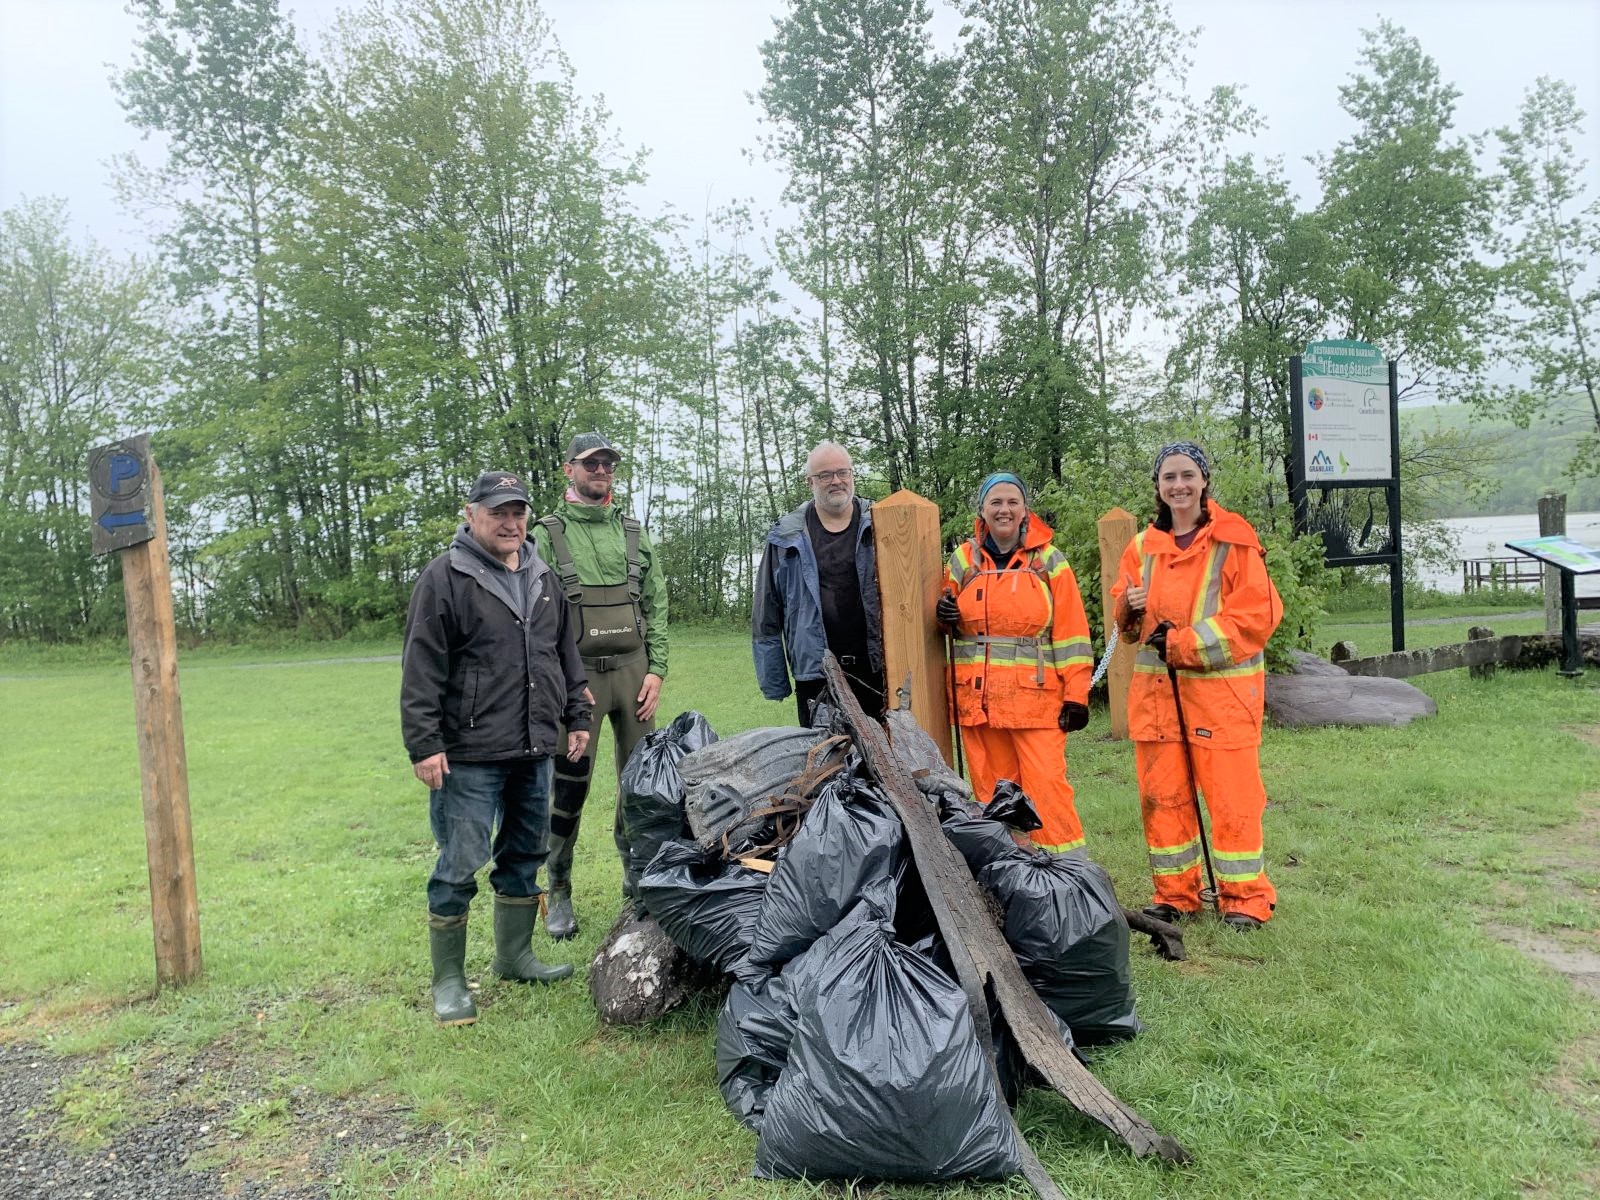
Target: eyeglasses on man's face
[
  {"x": 842, "y": 474},
  {"x": 598, "y": 466}
]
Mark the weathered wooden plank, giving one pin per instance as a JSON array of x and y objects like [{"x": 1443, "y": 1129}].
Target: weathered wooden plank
[
  {"x": 163, "y": 767},
  {"x": 1405, "y": 663},
  {"x": 910, "y": 570},
  {"x": 980, "y": 954}
]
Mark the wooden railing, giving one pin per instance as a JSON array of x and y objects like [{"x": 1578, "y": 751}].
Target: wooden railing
[{"x": 1514, "y": 570}]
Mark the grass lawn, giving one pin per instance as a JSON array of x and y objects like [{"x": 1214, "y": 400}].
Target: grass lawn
[{"x": 1379, "y": 1039}]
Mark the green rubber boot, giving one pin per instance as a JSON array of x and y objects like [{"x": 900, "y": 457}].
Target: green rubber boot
[
  {"x": 447, "y": 945},
  {"x": 513, "y": 937}
]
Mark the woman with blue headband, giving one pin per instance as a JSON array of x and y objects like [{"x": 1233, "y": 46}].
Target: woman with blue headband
[
  {"x": 1022, "y": 656},
  {"x": 1193, "y": 588}
]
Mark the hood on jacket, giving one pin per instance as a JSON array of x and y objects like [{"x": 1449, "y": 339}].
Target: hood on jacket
[
  {"x": 1036, "y": 534},
  {"x": 1224, "y": 526},
  {"x": 465, "y": 542}
]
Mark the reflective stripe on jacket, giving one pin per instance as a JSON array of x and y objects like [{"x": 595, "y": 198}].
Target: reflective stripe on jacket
[
  {"x": 1223, "y": 608},
  {"x": 1022, "y": 648}
]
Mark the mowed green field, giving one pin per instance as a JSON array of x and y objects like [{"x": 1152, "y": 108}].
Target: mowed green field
[{"x": 1378, "y": 1039}]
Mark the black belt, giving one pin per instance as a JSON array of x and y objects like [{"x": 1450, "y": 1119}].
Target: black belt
[{"x": 614, "y": 662}]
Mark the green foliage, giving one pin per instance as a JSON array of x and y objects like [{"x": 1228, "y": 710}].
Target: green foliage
[
  {"x": 1523, "y": 461},
  {"x": 1551, "y": 240},
  {"x": 415, "y": 255},
  {"x": 79, "y": 348}
]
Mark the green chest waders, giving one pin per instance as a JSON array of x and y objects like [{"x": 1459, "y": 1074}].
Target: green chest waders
[{"x": 608, "y": 620}]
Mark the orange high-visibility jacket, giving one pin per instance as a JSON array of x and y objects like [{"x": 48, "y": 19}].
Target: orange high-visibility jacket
[
  {"x": 1022, "y": 647},
  {"x": 1223, "y": 608}
]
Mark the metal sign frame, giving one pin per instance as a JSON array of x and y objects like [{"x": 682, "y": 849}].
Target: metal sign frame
[
  {"x": 1549, "y": 550},
  {"x": 1300, "y": 485}
]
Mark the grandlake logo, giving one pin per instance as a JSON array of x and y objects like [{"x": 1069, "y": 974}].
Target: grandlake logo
[{"x": 1321, "y": 464}]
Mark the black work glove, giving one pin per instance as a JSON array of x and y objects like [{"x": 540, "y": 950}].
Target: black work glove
[
  {"x": 1074, "y": 716},
  {"x": 948, "y": 611},
  {"x": 1157, "y": 640}
]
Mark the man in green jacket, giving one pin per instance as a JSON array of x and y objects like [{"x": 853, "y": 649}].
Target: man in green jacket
[{"x": 606, "y": 565}]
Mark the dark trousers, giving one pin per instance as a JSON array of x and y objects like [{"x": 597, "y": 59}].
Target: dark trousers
[
  {"x": 616, "y": 699},
  {"x": 868, "y": 691},
  {"x": 484, "y": 811}
]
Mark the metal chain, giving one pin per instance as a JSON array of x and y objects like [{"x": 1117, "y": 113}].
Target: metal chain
[{"x": 1105, "y": 659}]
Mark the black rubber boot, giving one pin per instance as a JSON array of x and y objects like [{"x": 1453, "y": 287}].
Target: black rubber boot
[
  {"x": 513, "y": 936},
  {"x": 559, "y": 920},
  {"x": 447, "y": 946}
]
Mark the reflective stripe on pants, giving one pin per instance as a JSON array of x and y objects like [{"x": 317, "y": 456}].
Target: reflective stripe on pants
[{"x": 1230, "y": 783}]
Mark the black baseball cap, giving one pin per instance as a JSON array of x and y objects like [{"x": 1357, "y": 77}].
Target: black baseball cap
[
  {"x": 586, "y": 444},
  {"x": 495, "y": 488}
]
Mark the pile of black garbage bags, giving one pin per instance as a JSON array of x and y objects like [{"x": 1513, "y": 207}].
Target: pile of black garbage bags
[{"x": 846, "y": 1042}]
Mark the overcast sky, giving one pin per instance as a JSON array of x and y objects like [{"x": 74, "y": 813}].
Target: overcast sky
[{"x": 676, "y": 74}]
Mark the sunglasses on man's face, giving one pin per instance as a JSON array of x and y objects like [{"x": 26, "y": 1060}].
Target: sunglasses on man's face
[{"x": 598, "y": 466}]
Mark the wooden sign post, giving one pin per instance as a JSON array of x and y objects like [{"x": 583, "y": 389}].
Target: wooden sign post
[
  {"x": 1116, "y": 530},
  {"x": 905, "y": 531},
  {"x": 129, "y": 518}
]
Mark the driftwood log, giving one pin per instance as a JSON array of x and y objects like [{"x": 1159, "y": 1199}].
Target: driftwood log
[
  {"x": 639, "y": 974},
  {"x": 1166, "y": 938},
  {"x": 982, "y": 958}
]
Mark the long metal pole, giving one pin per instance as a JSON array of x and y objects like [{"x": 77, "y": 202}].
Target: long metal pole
[{"x": 1210, "y": 894}]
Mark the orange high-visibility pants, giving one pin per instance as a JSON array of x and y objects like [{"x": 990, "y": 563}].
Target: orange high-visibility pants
[
  {"x": 1036, "y": 759},
  {"x": 1230, "y": 781}
]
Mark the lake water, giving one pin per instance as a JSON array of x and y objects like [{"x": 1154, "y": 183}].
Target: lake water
[{"x": 1485, "y": 537}]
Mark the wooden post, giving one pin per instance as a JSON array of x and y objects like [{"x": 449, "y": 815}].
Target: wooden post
[
  {"x": 1478, "y": 633},
  {"x": 1552, "y": 521},
  {"x": 910, "y": 571},
  {"x": 1116, "y": 529},
  {"x": 128, "y": 487}
]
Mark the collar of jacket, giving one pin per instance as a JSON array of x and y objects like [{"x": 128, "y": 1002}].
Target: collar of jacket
[
  {"x": 1036, "y": 535},
  {"x": 469, "y": 558},
  {"x": 1224, "y": 526},
  {"x": 791, "y": 526},
  {"x": 594, "y": 514}
]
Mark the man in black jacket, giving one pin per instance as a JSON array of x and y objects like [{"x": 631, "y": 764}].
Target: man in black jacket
[{"x": 490, "y": 674}]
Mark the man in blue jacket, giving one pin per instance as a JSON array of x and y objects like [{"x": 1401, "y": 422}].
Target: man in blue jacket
[
  {"x": 817, "y": 590},
  {"x": 489, "y": 676}
]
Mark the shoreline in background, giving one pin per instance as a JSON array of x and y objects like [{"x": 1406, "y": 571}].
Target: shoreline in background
[{"x": 1485, "y": 537}]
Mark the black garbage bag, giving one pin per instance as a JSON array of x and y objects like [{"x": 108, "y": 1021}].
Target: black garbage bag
[
  {"x": 652, "y": 791},
  {"x": 885, "y": 1078},
  {"x": 1012, "y": 807},
  {"x": 707, "y": 906},
  {"x": 850, "y": 844},
  {"x": 753, "y": 1034},
  {"x": 1070, "y": 937},
  {"x": 979, "y": 840}
]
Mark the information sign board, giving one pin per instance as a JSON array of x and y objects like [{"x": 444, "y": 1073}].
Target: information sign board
[
  {"x": 1560, "y": 552},
  {"x": 1344, "y": 413}
]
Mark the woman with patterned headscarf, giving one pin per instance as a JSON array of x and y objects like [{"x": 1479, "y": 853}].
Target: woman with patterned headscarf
[
  {"x": 1022, "y": 656},
  {"x": 1193, "y": 589}
]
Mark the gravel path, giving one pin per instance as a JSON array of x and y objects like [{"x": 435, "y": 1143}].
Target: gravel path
[{"x": 152, "y": 1155}]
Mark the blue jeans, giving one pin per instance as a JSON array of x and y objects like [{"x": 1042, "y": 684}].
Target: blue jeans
[{"x": 484, "y": 811}]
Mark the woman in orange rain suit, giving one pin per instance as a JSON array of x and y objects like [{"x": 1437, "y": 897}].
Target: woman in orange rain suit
[
  {"x": 1022, "y": 656},
  {"x": 1193, "y": 587}
]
